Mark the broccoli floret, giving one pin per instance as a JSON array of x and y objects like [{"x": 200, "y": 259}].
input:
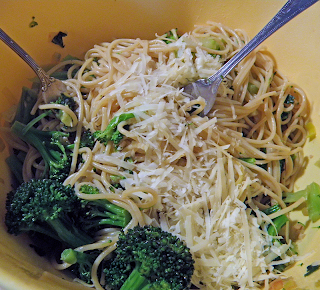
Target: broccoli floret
[
  {"x": 64, "y": 117},
  {"x": 89, "y": 189},
  {"x": 101, "y": 212},
  {"x": 87, "y": 139},
  {"x": 81, "y": 263},
  {"x": 289, "y": 100},
  {"x": 117, "y": 137},
  {"x": 111, "y": 133},
  {"x": 50, "y": 145},
  {"x": 48, "y": 207},
  {"x": 66, "y": 100},
  {"x": 115, "y": 182},
  {"x": 150, "y": 258}
]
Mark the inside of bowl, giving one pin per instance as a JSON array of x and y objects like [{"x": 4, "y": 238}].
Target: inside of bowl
[{"x": 90, "y": 22}]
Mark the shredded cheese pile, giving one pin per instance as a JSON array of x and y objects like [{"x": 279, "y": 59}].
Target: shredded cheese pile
[{"x": 202, "y": 189}]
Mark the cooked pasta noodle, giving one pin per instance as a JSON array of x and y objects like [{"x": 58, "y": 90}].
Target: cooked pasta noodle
[{"x": 189, "y": 174}]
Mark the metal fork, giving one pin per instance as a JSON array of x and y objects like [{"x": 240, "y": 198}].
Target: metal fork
[
  {"x": 51, "y": 88},
  {"x": 208, "y": 88}
]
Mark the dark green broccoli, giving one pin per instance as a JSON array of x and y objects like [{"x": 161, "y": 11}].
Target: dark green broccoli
[
  {"x": 111, "y": 133},
  {"x": 15, "y": 164},
  {"x": 87, "y": 139},
  {"x": 66, "y": 100},
  {"x": 48, "y": 207},
  {"x": 69, "y": 102},
  {"x": 101, "y": 212},
  {"x": 290, "y": 100},
  {"x": 50, "y": 145},
  {"x": 81, "y": 263},
  {"x": 116, "y": 137},
  {"x": 149, "y": 258}
]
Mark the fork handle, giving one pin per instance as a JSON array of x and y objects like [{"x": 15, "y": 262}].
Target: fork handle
[
  {"x": 42, "y": 75},
  {"x": 290, "y": 10}
]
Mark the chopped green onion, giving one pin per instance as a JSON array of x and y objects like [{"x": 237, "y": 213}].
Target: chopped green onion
[
  {"x": 272, "y": 209},
  {"x": 312, "y": 195},
  {"x": 278, "y": 223}
]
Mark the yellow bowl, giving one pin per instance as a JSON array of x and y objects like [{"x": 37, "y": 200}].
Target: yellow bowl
[{"x": 295, "y": 48}]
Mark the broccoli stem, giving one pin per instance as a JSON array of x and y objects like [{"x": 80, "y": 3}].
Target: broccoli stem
[
  {"x": 116, "y": 217},
  {"x": 69, "y": 235},
  {"x": 48, "y": 144},
  {"x": 15, "y": 165},
  {"x": 115, "y": 122},
  {"x": 135, "y": 281},
  {"x": 27, "y": 101},
  {"x": 106, "y": 135},
  {"x": 110, "y": 214}
]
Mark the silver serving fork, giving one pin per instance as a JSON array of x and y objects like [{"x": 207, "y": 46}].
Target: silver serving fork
[
  {"x": 208, "y": 88},
  {"x": 51, "y": 88}
]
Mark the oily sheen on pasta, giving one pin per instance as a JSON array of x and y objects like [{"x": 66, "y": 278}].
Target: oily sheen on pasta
[{"x": 190, "y": 175}]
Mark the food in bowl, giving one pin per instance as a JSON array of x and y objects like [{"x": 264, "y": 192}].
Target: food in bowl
[{"x": 125, "y": 134}]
